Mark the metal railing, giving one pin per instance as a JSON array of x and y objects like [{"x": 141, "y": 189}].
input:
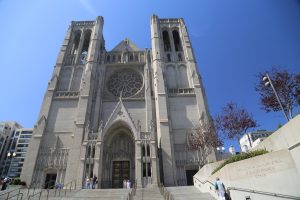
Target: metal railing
[
  {"x": 253, "y": 191},
  {"x": 166, "y": 194},
  {"x": 9, "y": 196},
  {"x": 264, "y": 193}
]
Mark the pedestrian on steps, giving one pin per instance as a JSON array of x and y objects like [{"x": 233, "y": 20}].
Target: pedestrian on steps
[{"x": 220, "y": 189}]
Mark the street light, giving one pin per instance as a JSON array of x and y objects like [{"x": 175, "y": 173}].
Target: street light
[
  {"x": 221, "y": 150},
  {"x": 10, "y": 156},
  {"x": 268, "y": 82}
]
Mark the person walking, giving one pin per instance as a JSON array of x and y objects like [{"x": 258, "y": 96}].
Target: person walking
[{"x": 220, "y": 189}]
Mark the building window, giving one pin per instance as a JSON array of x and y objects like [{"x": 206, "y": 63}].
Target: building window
[
  {"x": 177, "y": 42},
  {"x": 76, "y": 42},
  {"x": 169, "y": 57},
  {"x": 166, "y": 40}
]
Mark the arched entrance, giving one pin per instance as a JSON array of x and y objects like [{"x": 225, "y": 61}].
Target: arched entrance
[{"x": 118, "y": 160}]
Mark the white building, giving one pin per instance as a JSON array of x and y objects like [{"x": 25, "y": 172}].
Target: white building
[{"x": 251, "y": 139}]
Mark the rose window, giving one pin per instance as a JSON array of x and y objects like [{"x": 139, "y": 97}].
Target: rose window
[{"x": 125, "y": 83}]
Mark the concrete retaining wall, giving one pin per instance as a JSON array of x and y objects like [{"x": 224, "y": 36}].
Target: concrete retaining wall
[{"x": 275, "y": 172}]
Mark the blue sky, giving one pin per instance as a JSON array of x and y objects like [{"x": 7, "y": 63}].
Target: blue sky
[{"x": 233, "y": 40}]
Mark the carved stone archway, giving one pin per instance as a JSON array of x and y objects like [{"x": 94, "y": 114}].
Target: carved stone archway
[{"x": 118, "y": 149}]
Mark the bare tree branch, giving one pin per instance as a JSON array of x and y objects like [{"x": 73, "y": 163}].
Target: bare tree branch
[
  {"x": 233, "y": 121},
  {"x": 287, "y": 86}
]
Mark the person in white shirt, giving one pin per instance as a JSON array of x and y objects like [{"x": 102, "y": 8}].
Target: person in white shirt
[
  {"x": 220, "y": 189},
  {"x": 128, "y": 184}
]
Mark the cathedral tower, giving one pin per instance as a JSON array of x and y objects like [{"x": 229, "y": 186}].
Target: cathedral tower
[{"x": 118, "y": 114}]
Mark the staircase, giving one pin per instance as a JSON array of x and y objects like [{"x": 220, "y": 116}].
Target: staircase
[
  {"x": 188, "y": 193},
  {"x": 95, "y": 194},
  {"x": 148, "y": 193}
]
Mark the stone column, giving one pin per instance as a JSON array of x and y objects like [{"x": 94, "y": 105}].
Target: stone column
[
  {"x": 163, "y": 127},
  {"x": 138, "y": 164},
  {"x": 97, "y": 161},
  {"x": 154, "y": 163}
]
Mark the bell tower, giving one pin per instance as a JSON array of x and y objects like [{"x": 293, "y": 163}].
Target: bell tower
[{"x": 179, "y": 96}]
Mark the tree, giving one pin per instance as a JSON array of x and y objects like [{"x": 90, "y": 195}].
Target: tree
[
  {"x": 234, "y": 121},
  {"x": 203, "y": 139},
  {"x": 287, "y": 86}
]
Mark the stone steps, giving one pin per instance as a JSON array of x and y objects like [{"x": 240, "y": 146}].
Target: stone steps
[
  {"x": 188, "y": 193},
  {"x": 148, "y": 193},
  {"x": 95, "y": 194}
]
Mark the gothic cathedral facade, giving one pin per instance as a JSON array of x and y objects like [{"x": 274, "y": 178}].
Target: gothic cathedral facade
[{"x": 119, "y": 114}]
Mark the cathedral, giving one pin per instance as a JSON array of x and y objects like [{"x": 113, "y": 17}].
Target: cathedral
[{"x": 119, "y": 114}]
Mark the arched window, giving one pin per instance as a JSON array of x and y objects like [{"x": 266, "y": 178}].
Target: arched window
[
  {"x": 113, "y": 58},
  {"x": 119, "y": 58},
  {"x": 108, "y": 58},
  {"x": 131, "y": 57},
  {"x": 93, "y": 152},
  {"x": 88, "y": 155},
  {"x": 166, "y": 40},
  {"x": 76, "y": 41},
  {"x": 76, "y": 79},
  {"x": 143, "y": 150},
  {"x": 64, "y": 79},
  {"x": 86, "y": 43},
  {"x": 177, "y": 42},
  {"x": 136, "y": 57}
]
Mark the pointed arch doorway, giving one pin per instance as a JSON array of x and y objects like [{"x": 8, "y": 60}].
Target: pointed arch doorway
[{"x": 118, "y": 161}]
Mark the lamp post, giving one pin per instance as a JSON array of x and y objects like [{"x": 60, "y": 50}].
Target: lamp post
[
  {"x": 221, "y": 150},
  {"x": 10, "y": 156},
  {"x": 268, "y": 81}
]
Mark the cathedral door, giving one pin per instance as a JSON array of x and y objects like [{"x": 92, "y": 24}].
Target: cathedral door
[
  {"x": 50, "y": 181},
  {"x": 121, "y": 171}
]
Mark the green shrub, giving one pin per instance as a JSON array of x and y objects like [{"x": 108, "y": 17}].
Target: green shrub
[
  {"x": 239, "y": 157},
  {"x": 22, "y": 183},
  {"x": 16, "y": 181}
]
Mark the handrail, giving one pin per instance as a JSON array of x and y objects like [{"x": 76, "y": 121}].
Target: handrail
[
  {"x": 264, "y": 193},
  {"x": 8, "y": 192},
  {"x": 166, "y": 194},
  {"x": 11, "y": 191},
  {"x": 206, "y": 181},
  {"x": 71, "y": 184},
  {"x": 32, "y": 195},
  {"x": 254, "y": 191}
]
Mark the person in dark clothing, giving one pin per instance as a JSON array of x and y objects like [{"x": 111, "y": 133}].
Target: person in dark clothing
[
  {"x": 4, "y": 184},
  {"x": 94, "y": 181}
]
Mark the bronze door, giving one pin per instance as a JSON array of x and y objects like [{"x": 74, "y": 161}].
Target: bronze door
[{"x": 121, "y": 171}]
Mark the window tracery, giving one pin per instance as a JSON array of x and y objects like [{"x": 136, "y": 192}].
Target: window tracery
[{"x": 125, "y": 83}]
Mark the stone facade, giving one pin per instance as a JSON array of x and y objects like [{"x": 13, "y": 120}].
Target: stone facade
[{"x": 119, "y": 114}]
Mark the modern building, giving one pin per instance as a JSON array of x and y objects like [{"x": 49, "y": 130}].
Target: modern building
[
  {"x": 7, "y": 130},
  {"x": 251, "y": 139},
  {"x": 119, "y": 114},
  {"x": 16, "y": 152}
]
